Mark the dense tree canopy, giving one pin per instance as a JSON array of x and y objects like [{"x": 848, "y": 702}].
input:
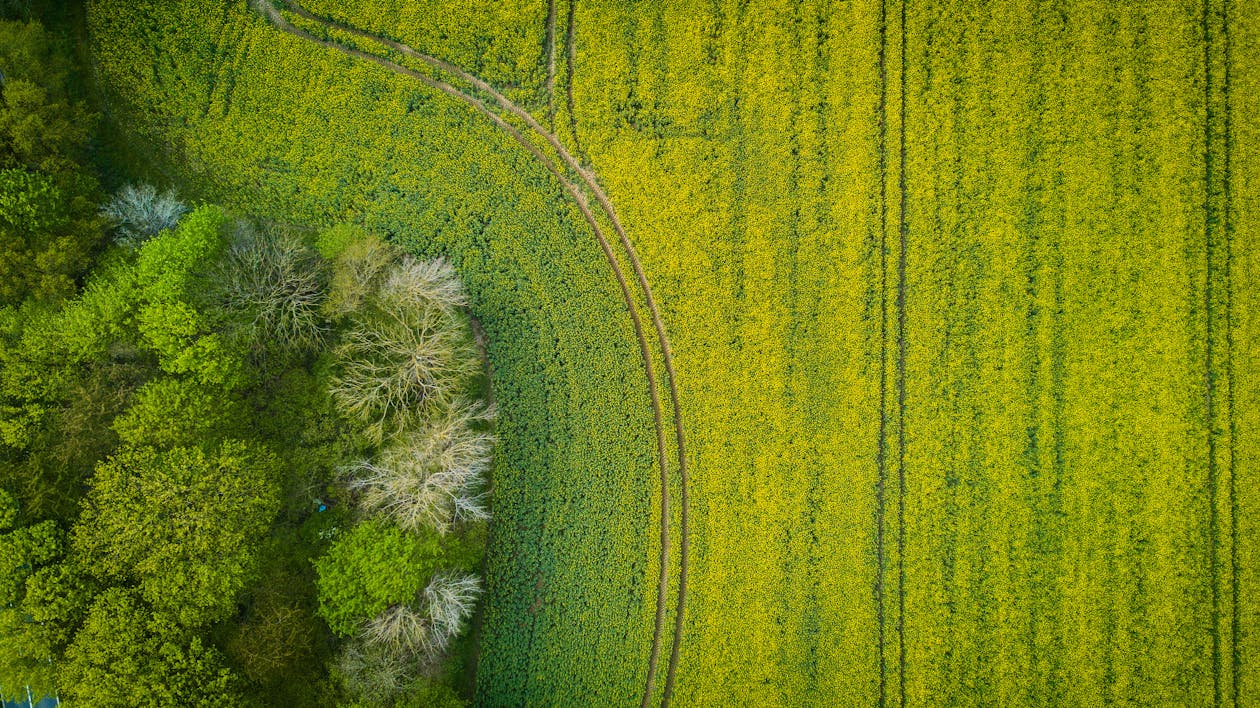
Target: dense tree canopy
[
  {"x": 66, "y": 373},
  {"x": 125, "y": 654},
  {"x": 373, "y": 566},
  {"x": 177, "y": 418},
  {"x": 180, "y": 523},
  {"x": 124, "y": 413},
  {"x": 42, "y": 125},
  {"x": 48, "y": 214},
  {"x": 175, "y": 406}
]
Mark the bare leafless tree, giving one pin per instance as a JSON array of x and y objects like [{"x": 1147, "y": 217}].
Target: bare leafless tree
[
  {"x": 451, "y": 599},
  {"x": 273, "y": 286},
  {"x": 425, "y": 629},
  {"x": 420, "y": 284},
  {"x": 372, "y": 671},
  {"x": 404, "y": 630},
  {"x": 398, "y": 365},
  {"x": 139, "y": 212},
  {"x": 433, "y": 476}
]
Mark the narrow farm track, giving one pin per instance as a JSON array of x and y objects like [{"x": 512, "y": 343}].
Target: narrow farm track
[
  {"x": 570, "y": 58},
  {"x": 881, "y": 482},
  {"x": 903, "y": 237},
  {"x": 551, "y": 64},
  {"x": 587, "y": 178}
]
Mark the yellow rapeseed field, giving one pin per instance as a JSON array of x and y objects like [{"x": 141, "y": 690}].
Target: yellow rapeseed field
[{"x": 962, "y": 299}]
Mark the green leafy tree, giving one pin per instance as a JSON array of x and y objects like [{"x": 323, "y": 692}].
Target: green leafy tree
[
  {"x": 170, "y": 270},
  {"x": 57, "y": 596},
  {"x": 21, "y": 552},
  {"x": 26, "y": 654},
  {"x": 127, "y": 654},
  {"x": 8, "y": 511},
  {"x": 172, "y": 412},
  {"x": 170, "y": 265},
  {"x": 37, "y": 629},
  {"x": 181, "y": 523},
  {"x": 65, "y": 373},
  {"x": 96, "y": 326},
  {"x": 372, "y": 567},
  {"x": 360, "y": 262},
  {"x": 48, "y": 219},
  {"x": 276, "y": 642},
  {"x": 42, "y": 126},
  {"x": 45, "y": 241},
  {"x": 27, "y": 388},
  {"x": 25, "y": 554},
  {"x": 17, "y": 9}
]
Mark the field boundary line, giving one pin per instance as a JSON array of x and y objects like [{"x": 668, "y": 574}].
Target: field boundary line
[{"x": 588, "y": 179}]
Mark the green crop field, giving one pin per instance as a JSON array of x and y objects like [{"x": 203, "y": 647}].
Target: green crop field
[{"x": 846, "y": 353}]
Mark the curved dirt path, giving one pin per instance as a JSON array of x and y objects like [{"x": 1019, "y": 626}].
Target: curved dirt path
[{"x": 587, "y": 178}]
